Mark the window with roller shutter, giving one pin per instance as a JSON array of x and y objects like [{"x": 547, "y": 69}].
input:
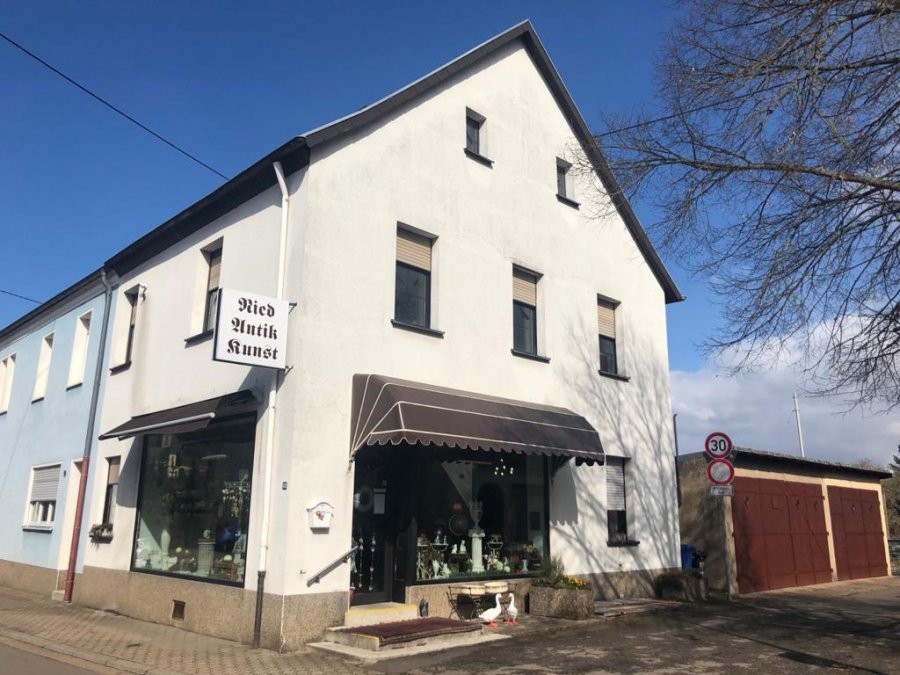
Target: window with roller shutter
[
  {"x": 41, "y": 510},
  {"x": 616, "y": 504},
  {"x": 412, "y": 289}
]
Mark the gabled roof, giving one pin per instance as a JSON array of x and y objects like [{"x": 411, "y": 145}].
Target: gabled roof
[{"x": 294, "y": 155}]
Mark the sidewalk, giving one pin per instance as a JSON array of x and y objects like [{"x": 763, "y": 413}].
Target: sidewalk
[{"x": 119, "y": 644}]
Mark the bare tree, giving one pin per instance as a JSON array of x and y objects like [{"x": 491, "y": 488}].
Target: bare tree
[{"x": 775, "y": 165}]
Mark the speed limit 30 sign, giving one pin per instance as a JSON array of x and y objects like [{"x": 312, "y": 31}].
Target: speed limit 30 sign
[{"x": 718, "y": 445}]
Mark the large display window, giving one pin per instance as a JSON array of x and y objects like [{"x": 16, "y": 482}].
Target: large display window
[
  {"x": 194, "y": 502},
  {"x": 484, "y": 516}
]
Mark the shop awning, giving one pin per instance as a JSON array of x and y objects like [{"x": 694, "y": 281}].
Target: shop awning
[
  {"x": 391, "y": 411},
  {"x": 184, "y": 418}
]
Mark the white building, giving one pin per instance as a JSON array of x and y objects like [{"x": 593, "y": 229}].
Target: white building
[{"x": 476, "y": 357}]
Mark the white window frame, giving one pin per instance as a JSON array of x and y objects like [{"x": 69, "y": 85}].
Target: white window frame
[
  {"x": 42, "y": 376},
  {"x": 7, "y": 372},
  {"x": 40, "y": 514},
  {"x": 80, "y": 342}
]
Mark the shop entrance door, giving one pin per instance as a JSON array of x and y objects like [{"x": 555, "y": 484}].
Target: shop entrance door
[{"x": 381, "y": 531}]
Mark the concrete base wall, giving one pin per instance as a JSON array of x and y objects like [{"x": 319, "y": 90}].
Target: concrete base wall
[
  {"x": 40, "y": 580},
  {"x": 634, "y": 584},
  {"x": 212, "y": 609}
]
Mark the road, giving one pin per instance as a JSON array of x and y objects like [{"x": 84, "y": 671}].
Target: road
[{"x": 14, "y": 661}]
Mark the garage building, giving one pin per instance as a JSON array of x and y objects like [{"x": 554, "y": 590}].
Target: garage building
[{"x": 791, "y": 522}]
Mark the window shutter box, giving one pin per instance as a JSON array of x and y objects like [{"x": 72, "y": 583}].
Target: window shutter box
[
  {"x": 112, "y": 477},
  {"x": 615, "y": 484},
  {"x": 524, "y": 288},
  {"x": 414, "y": 249},
  {"x": 45, "y": 484},
  {"x": 606, "y": 320}
]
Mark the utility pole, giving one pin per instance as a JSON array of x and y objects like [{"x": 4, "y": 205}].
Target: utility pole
[{"x": 799, "y": 429}]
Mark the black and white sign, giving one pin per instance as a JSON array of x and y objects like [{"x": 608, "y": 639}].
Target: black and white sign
[
  {"x": 721, "y": 490},
  {"x": 251, "y": 329},
  {"x": 718, "y": 445}
]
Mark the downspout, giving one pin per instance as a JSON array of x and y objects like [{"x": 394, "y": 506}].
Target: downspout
[
  {"x": 269, "y": 449},
  {"x": 677, "y": 473},
  {"x": 88, "y": 442}
]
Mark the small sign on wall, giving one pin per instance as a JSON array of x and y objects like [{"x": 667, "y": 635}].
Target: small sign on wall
[
  {"x": 320, "y": 516},
  {"x": 251, "y": 329}
]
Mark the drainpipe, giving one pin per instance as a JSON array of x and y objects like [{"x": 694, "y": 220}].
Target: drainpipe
[
  {"x": 88, "y": 442},
  {"x": 677, "y": 473},
  {"x": 269, "y": 449}
]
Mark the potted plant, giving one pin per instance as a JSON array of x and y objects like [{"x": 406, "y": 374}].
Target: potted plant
[
  {"x": 101, "y": 532},
  {"x": 558, "y": 595}
]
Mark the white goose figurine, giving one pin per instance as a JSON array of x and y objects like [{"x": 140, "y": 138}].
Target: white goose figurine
[
  {"x": 512, "y": 612},
  {"x": 489, "y": 615}
]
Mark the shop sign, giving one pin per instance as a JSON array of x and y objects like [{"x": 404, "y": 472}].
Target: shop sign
[{"x": 251, "y": 329}]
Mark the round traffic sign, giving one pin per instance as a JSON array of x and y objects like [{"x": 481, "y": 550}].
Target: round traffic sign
[
  {"x": 720, "y": 472},
  {"x": 718, "y": 445}
]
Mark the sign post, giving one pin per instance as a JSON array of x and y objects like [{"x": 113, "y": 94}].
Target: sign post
[{"x": 720, "y": 471}]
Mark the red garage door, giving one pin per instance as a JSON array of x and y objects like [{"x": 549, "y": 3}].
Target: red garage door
[
  {"x": 858, "y": 537},
  {"x": 780, "y": 538}
]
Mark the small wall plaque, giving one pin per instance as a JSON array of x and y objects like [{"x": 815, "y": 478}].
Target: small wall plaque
[{"x": 320, "y": 516}]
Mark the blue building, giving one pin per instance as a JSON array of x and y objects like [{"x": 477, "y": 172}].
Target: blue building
[{"x": 48, "y": 395}]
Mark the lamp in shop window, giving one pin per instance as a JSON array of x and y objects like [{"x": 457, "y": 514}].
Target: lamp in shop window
[{"x": 502, "y": 469}]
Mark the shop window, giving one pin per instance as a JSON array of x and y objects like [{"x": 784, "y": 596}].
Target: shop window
[
  {"x": 616, "y": 500},
  {"x": 502, "y": 497},
  {"x": 112, "y": 489},
  {"x": 194, "y": 502},
  {"x": 41, "y": 512}
]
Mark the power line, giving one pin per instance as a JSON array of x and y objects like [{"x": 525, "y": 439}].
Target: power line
[
  {"x": 21, "y": 297},
  {"x": 111, "y": 107}
]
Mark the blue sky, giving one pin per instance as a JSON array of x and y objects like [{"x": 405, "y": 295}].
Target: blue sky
[{"x": 231, "y": 81}]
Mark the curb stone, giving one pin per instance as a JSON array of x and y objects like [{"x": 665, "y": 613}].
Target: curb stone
[{"x": 83, "y": 654}]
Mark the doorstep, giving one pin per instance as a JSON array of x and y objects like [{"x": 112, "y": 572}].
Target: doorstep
[{"x": 404, "y": 638}]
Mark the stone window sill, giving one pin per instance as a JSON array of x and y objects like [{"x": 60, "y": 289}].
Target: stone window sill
[
  {"x": 568, "y": 202},
  {"x": 119, "y": 368},
  {"x": 198, "y": 338},
  {"x": 532, "y": 357},
  {"x": 417, "y": 329},
  {"x": 614, "y": 376},
  {"x": 37, "y": 528},
  {"x": 621, "y": 544},
  {"x": 481, "y": 159}
]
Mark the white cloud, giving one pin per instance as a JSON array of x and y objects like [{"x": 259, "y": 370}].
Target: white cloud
[{"x": 756, "y": 410}]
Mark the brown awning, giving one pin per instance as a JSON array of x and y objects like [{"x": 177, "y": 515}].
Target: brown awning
[
  {"x": 387, "y": 410},
  {"x": 184, "y": 418}
]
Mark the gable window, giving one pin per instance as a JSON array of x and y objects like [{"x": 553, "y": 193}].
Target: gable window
[
  {"x": 606, "y": 328},
  {"x": 524, "y": 311},
  {"x": 564, "y": 183},
  {"x": 112, "y": 489},
  {"x": 41, "y": 510},
  {"x": 412, "y": 289},
  {"x": 475, "y": 141},
  {"x": 616, "y": 503},
  {"x": 214, "y": 260},
  {"x": 43, "y": 369},
  {"x": 79, "y": 350},
  {"x": 7, "y": 370}
]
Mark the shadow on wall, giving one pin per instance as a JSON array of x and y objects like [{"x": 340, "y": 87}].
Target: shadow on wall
[{"x": 634, "y": 420}]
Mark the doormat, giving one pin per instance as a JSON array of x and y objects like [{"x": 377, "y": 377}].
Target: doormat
[{"x": 414, "y": 629}]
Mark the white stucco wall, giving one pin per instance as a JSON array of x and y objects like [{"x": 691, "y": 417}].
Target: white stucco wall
[
  {"x": 410, "y": 168},
  {"x": 165, "y": 371}
]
